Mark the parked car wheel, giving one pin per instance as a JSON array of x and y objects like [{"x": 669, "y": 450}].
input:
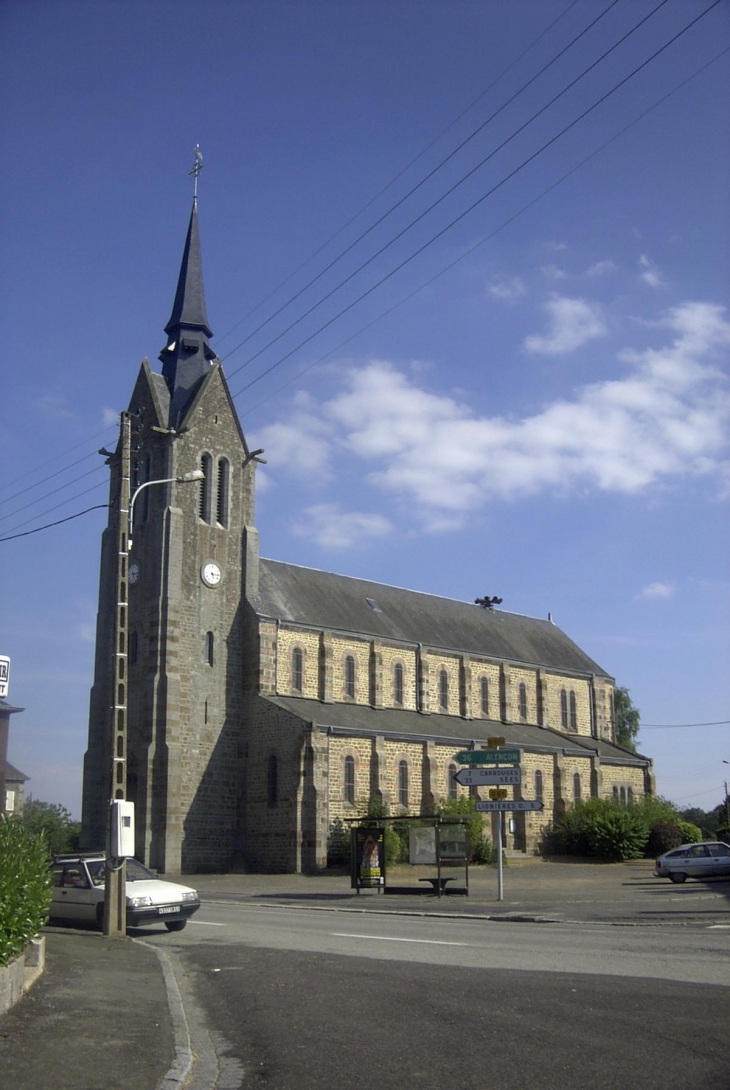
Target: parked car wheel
[
  {"x": 678, "y": 876},
  {"x": 175, "y": 925}
]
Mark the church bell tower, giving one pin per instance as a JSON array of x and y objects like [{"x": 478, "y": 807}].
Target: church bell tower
[{"x": 185, "y": 746}]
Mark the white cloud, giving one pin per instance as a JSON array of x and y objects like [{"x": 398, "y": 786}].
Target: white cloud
[
  {"x": 651, "y": 274},
  {"x": 507, "y": 289},
  {"x": 666, "y": 419},
  {"x": 109, "y": 417},
  {"x": 302, "y": 443},
  {"x": 600, "y": 268},
  {"x": 326, "y": 524},
  {"x": 657, "y": 590},
  {"x": 553, "y": 272},
  {"x": 572, "y": 322},
  {"x": 53, "y": 406}
]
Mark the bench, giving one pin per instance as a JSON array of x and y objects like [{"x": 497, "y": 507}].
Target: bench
[{"x": 439, "y": 884}]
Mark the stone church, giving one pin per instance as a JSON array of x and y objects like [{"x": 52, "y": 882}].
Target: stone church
[{"x": 268, "y": 702}]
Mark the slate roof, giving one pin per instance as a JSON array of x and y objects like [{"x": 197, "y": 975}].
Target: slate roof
[
  {"x": 397, "y": 722},
  {"x": 14, "y": 775},
  {"x": 324, "y": 600}
]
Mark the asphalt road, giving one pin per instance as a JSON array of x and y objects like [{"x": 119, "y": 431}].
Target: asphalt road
[{"x": 293, "y": 999}]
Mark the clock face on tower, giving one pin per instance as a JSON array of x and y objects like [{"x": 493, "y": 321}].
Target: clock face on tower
[
  {"x": 210, "y": 573},
  {"x": 133, "y": 572}
]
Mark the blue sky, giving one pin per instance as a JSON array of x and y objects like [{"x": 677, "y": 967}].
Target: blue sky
[{"x": 532, "y": 403}]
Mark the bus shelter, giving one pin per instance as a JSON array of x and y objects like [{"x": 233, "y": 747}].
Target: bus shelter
[{"x": 438, "y": 853}]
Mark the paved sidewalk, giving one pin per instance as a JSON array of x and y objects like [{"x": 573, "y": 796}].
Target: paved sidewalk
[{"x": 104, "y": 1017}]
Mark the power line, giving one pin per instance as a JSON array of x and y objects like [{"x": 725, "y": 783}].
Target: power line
[
  {"x": 677, "y": 726},
  {"x": 472, "y": 206},
  {"x": 443, "y": 196},
  {"x": 38, "y": 529},
  {"x": 429, "y": 175},
  {"x": 486, "y": 238},
  {"x": 404, "y": 170}
]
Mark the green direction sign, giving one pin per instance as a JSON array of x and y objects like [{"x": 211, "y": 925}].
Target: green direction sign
[{"x": 488, "y": 757}]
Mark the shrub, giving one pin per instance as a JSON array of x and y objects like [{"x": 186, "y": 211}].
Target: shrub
[
  {"x": 663, "y": 836},
  {"x": 25, "y": 887},
  {"x": 603, "y": 829},
  {"x": 723, "y": 833},
  {"x": 691, "y": 834}
]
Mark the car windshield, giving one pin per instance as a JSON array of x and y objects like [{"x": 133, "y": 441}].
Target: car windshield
[{"x": 137, "y": 873}]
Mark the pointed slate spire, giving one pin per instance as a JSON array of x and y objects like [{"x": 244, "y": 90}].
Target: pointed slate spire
[{"x": 187, "y": 355}]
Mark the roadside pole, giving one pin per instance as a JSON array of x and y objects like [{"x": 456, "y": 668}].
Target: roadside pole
[
  {"x": 115, "y": 904},
  {"x": 500, "y": 874}
]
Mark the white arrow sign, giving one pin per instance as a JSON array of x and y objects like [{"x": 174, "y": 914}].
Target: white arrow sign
[
  {"x": 473, "y": 777},
  {"x": 508, "y": 804}
]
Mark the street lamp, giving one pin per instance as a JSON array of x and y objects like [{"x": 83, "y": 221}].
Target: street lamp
[
  {"x": 186, "y": 478},
  {"x": 115, "y": 916}
]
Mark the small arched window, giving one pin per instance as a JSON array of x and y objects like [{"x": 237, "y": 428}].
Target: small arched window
[
  {"x": 629, "y": 796},
  {"x": 209, "y": 648},
  {"x": 523, "y": 700},
  {"x": 222, "y": 486},
  {"x": 538, "y": 785},
  {"x": 403, "y": 783},
  {"x": 350, "y": 677},
  {"x": 564, "y": 709},
  {"x": 350, "y": 780},
  {"x": 622, "y": 795},
  {"x": 615, "y": 793},
  {"x": 133, "y": 648},
  {"x": 206, "y": 467},
  {"x": 444, "y": 690},
  {"x": 297, "y": 669},
  {"x": 484, "y": 696},
  {"x": 272, "y": 781},
  {"x": 398, "y": 683},
  {"x": 573, "y": 712},
  {"x": 576, "y": 787},
  {"x": 453, "y": 786}
]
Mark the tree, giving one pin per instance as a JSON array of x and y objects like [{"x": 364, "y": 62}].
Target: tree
[
  {"x": 53, "y": 822},
  {"x": 626, "y": 718}
]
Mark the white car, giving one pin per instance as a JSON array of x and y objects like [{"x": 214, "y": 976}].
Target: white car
[
  {"x": 77, "y": 883},
  {"x": 708, "y": 859}
]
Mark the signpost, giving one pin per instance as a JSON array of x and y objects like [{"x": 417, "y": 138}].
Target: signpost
[
  {"x": 500, "y": 806},
  {"x": 473, "y": 777},
  {"x": 488, "y": 757}
]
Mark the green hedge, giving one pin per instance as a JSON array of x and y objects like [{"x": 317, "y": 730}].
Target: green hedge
[
  {"x": 25, "y": 887},
  {"x": 609, "y": 830}
]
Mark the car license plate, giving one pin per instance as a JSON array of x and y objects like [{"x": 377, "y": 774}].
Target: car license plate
[{"x": 168, "y": 908}]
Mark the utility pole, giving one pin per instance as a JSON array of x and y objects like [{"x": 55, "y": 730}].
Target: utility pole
[{"x": 115, "y": 905}]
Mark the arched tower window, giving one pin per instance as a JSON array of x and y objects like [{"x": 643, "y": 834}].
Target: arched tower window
[
  {"x": 350, "y": 677},
  {"x": 204, "y": 497},
  {"x": 564, "y": 709},
  {"x": 443, "y": 690},
  {"x": 297, "y": 669},
  {"x": 398, "y": 683},
  {"x": 272, "y": 781},
  {"x": 209, "y": 648},
  {"x": 538, "y": 785},
  {"x": 523, "y": 700},
  {"x": 403, "y": 783},
  {"x": 222, "y": 488},
  {"x": 350, "y": 780},
  {"x": 576, "y": 787},
  {"x": 453, "y": 787},
  {"x": 573, "y": 712},
  {"x": 484, "y": 696}
]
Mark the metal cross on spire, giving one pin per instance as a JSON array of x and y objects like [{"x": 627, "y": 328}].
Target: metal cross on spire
[{"x": 196, "y": 169}]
